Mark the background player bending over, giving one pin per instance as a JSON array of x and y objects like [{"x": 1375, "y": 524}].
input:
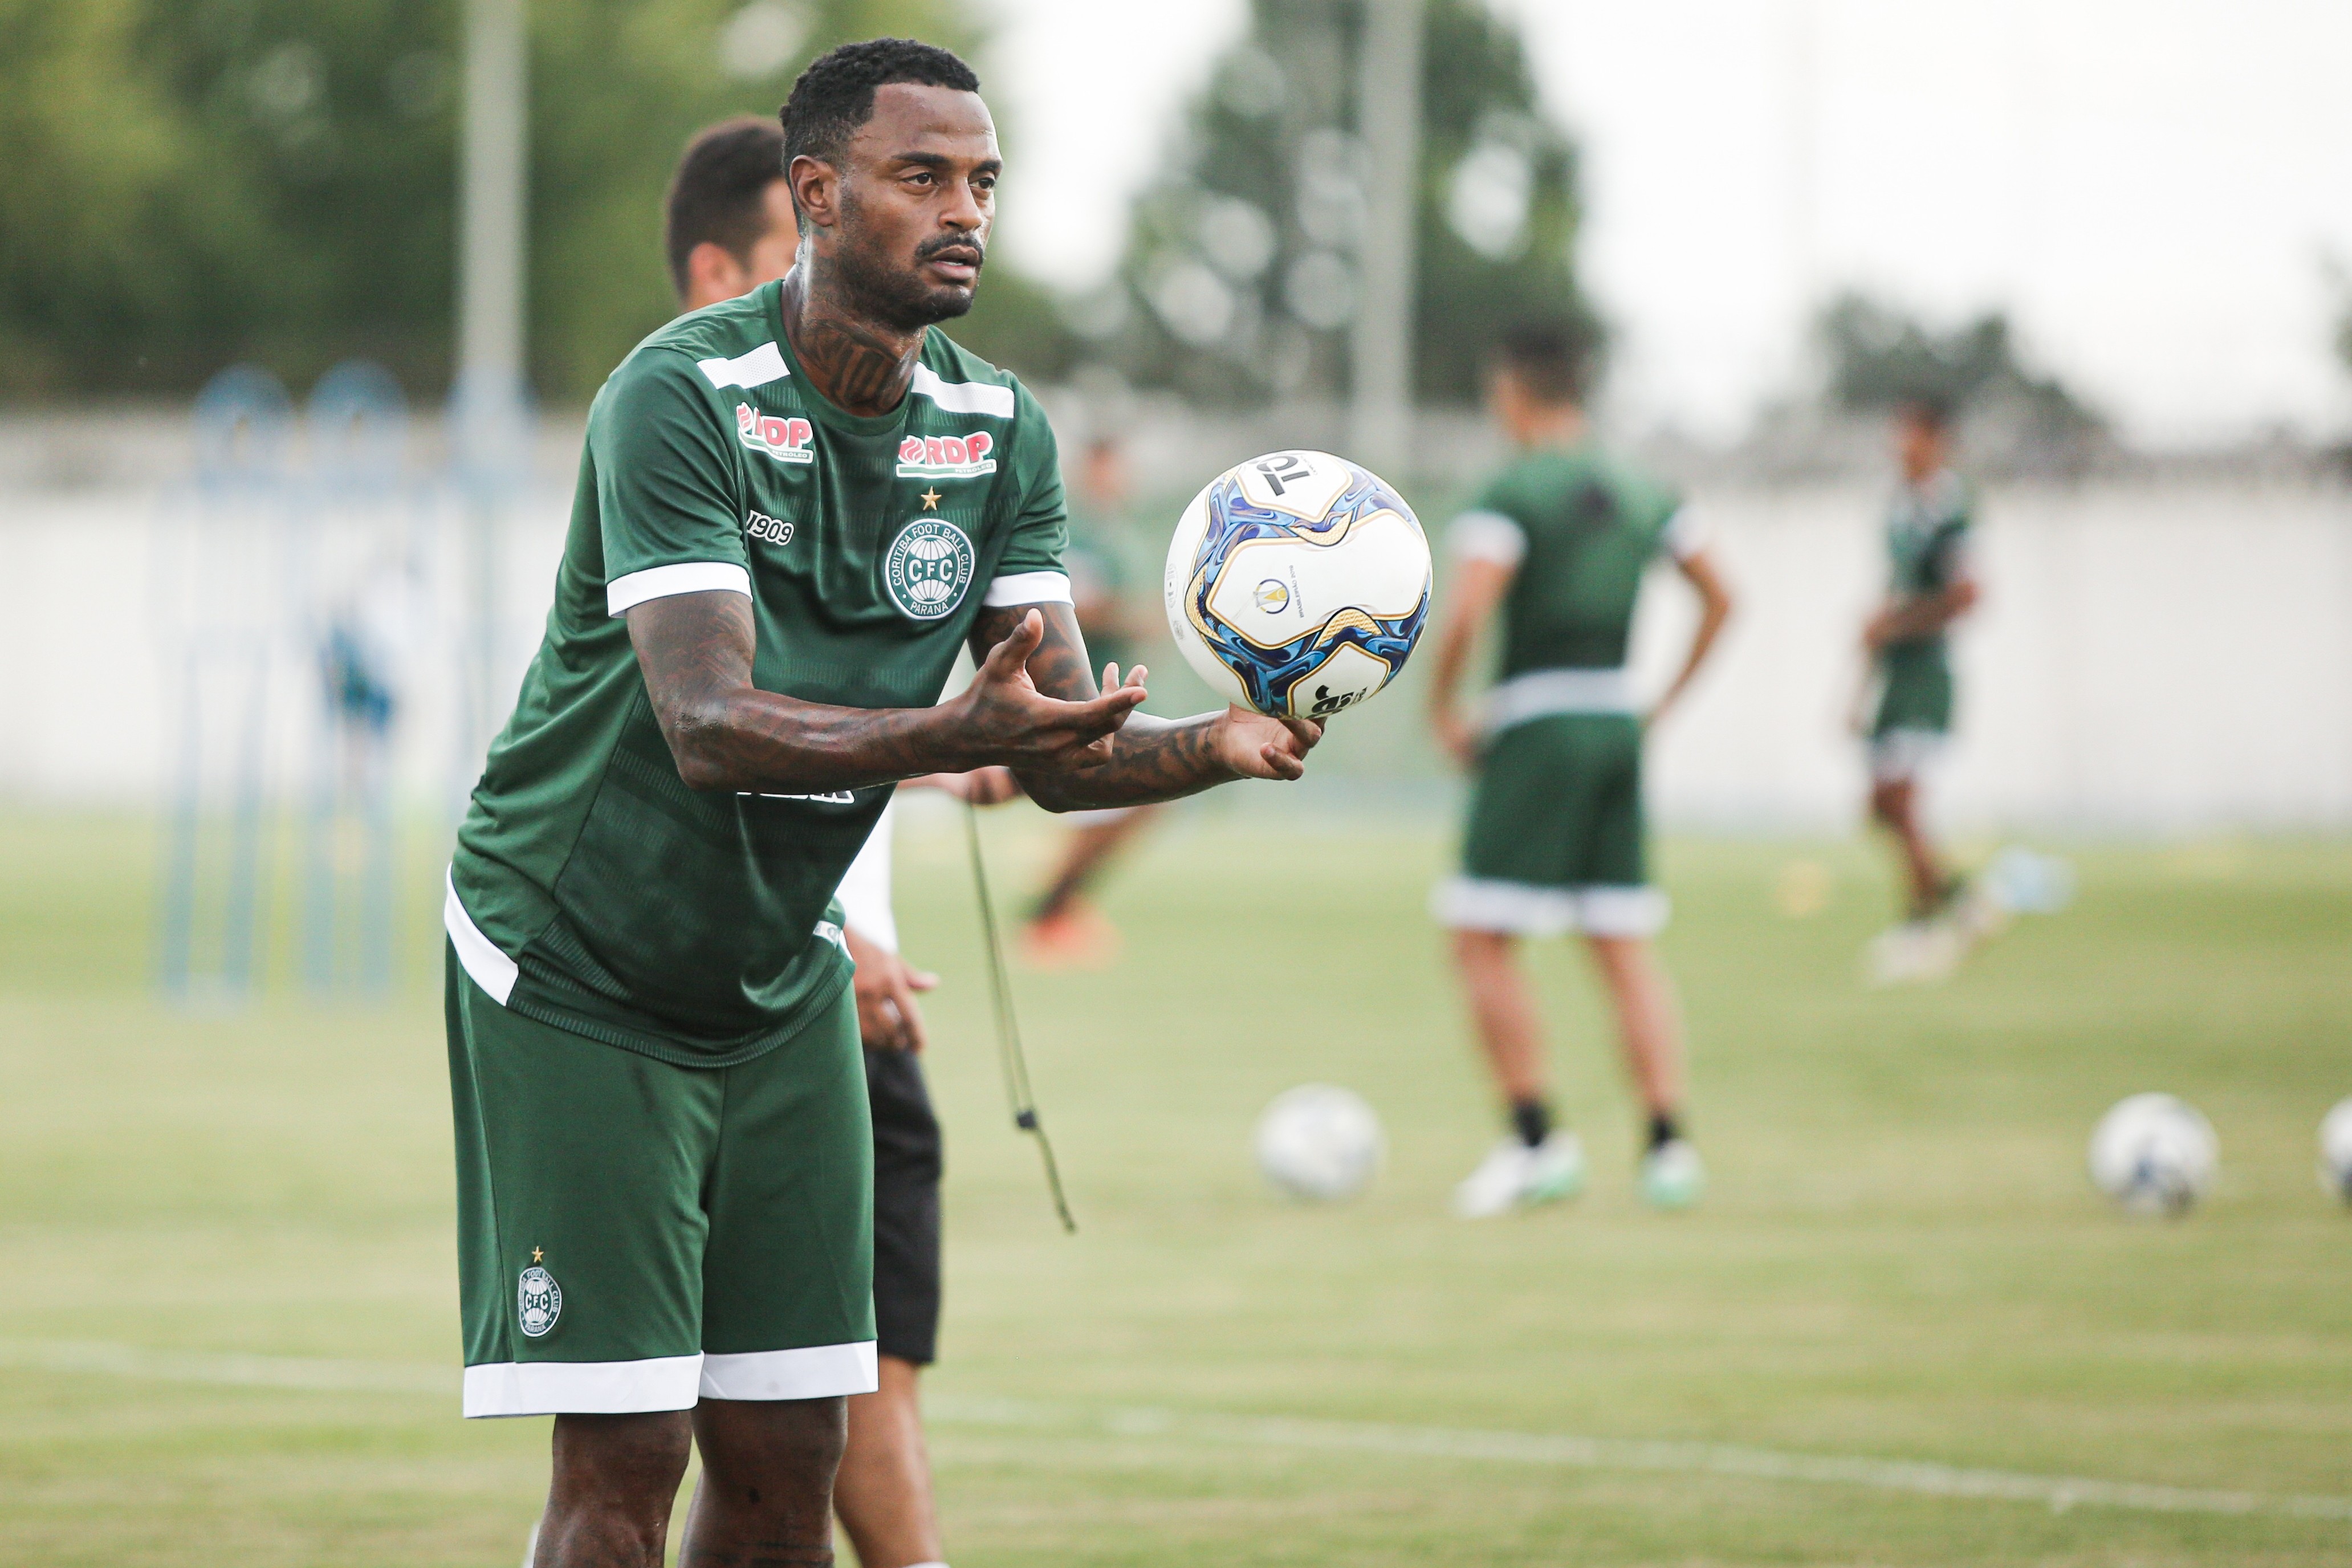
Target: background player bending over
[
  {"x": 1928, "y": 588},
  {"x": 1558, "y": 545},
  {"x": 794, "y": 509}
]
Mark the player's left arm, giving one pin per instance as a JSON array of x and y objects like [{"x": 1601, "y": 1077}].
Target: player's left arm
[
  {"x": 1698, "y": 566},
  {"x": 1925, "y": 614},
  {"x": 1476, "y": 592},
  {"x": 1152, "y": 759}
]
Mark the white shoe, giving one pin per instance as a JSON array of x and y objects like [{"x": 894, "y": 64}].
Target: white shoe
[
  {"x": 1917, "y": 951},
  {"x": 1514, "y": 1175},
  {"x": 1672, "y": 1176}
]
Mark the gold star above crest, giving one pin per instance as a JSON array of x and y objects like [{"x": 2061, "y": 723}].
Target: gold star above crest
[
  {"x": 931, "y": 500},
  {"x": 536, "y": 1255}
]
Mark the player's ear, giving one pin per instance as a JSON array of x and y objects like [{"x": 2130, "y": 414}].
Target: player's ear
[{"x": 816, "y": 191}]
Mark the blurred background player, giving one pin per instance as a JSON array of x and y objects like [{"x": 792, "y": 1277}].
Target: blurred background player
[
  {"x": 1558, "y": 544},
  {"x": 1066, "y": 929},
  {"x": 1910, "y": 669},
  {"x": 882, "y": 1491}
]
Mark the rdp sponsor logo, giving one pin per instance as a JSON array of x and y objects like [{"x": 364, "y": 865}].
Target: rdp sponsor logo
[
  {"x": 784, "y": 439},
  {"x": 947, "y": 457}
]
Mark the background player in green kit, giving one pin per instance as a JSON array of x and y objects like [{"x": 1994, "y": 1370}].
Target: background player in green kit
[
  {"x": 793, "y": 510},
  {"x": 1928, "y": 588},
  {"x": 1558, "y": 544},
  {"x": 1064, "y": 929}
]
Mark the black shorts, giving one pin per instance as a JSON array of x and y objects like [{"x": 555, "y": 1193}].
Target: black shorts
[{"x": 908, "y": 1163}]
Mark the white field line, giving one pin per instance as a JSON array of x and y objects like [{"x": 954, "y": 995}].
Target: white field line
[{"x": 1548, "y": 1449}]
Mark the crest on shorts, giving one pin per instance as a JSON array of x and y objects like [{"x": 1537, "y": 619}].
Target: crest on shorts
[
  {"x": 539, "y": 1302},
  {"x": 928, "y": 568}
]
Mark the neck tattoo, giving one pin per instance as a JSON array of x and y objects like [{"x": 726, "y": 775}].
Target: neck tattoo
[{"x": 863, "y": 367}]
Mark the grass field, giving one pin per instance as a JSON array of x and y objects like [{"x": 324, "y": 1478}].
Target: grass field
[{"x": 226, "y": 1291}]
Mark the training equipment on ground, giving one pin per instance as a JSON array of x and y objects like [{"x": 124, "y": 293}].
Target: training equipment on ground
[
  {"x": 2153, "y": 1154},
  {"x": 1009, "y": 1054},
  {"x": 1320, "y": 1141},
  {"x": 1297, "y": 583},
  {"x": 1514, "y": 1175},
  {"x": 2336, "y": 1150}
]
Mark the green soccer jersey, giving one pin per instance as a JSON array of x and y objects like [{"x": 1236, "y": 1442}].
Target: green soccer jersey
[
  {"x": 592, "y": 889},
  {"x": 1581, "y": 528},
  {"x": 1927, "y": 537}
]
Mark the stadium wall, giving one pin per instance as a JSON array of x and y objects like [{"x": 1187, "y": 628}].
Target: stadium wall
[{"x": 2149, "y": 658}]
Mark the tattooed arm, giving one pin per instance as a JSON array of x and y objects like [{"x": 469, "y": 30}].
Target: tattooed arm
[
  {"x": 1151, "y": 758},
  {"x": 695, "y": 651}
]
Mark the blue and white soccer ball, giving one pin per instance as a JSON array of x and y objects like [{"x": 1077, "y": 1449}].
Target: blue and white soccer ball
[
  {"x": 1298, "y": 584},
  {"x": 2154, "y": 1153}
]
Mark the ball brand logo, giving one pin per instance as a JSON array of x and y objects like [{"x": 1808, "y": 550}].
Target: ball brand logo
[
  {"x": 539, "y": 1302},
  {"x": 1273, "y": 596},
  {"x": 783, "y": 438},
  {"x": 929, "y": 569},
  {"x": 1328, "y": 702},
  {"x": 947, "y": 457}
]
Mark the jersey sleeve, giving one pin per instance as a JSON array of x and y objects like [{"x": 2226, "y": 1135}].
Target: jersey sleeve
[
  {"x": 669, "y": 490},
  {"x": 1488, "y": 531},
  {"x": 1031, "y": 570}
]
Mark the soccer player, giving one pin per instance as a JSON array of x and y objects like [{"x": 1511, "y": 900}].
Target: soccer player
[
  {"x": 1557, "y": 548},
  {"x": 1065, "y": 930},
  {"x": 794, "y": 509},
  {"x": 1930, "y": 587}
]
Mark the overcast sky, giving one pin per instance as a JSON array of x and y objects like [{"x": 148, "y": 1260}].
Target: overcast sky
[{"x": 2149, "y": 186}]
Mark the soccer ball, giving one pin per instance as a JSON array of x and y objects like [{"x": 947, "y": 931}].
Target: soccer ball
[
  {"x": 1298, "y": 584},
  {"x": 2153, "y": 1154},
  {"x": 2335, "y": 1151},
  {"x": 1320, "y": 1141}
]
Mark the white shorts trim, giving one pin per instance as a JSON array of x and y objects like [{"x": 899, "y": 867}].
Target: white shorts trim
[
  {"x": 1027, "y": 588},
  {"x": 1539, "y": 694},
  {"x": 1904, "y": 754},
  {"x": 476, "y": 954},
  {"x": 624, "y": 594},
  {"x": 1526, "y": 909},
  {"x": 811, "y": 1372},
  {"x": 1099, "y": 816},
  {"x": 583, "y": 1387}
]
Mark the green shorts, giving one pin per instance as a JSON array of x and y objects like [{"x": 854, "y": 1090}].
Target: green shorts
[
  {"x": 636, "y": 1236},
  {"x": 1914, "y": 716},
  {"x": 1556, "y": 841}
]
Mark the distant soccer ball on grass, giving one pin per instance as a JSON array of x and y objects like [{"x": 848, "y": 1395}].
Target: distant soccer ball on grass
[
  {"x": 1298, "y": 584},
  {"x": 1319, "y": 1142},
  {"x": 2336, "y": 1150},
  {"x": 2153, "y": 1154}
]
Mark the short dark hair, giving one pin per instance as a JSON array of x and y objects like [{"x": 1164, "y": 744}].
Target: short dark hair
[
  {"x": 720, "y": 193},
  {"x": 1552, "y": 358},
  {"x": 835, "y": 95}
]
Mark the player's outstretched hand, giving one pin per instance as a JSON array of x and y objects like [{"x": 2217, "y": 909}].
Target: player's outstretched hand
[
  {"x": 1256, "y": 747},
  {"x": 1007, "y": 719}
]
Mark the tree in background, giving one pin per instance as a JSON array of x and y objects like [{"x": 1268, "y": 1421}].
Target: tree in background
[
  {"x": 1879, "y": 358},
  {"x": 1238, "y": 280},
  {"x": 188, "y": 183}
]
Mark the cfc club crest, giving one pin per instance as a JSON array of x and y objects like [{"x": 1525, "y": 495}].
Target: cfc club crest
[
  {"x": 928, "y": 568},
  {"x": 539, "y": 1302}
]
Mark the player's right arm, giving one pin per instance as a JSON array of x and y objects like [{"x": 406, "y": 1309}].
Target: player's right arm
[
  {"x": 1487, "y": 547},
  {"x": 694, "y": 649}
]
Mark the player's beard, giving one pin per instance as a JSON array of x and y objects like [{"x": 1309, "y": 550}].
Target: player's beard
[{"x": 892, "y": 293}]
